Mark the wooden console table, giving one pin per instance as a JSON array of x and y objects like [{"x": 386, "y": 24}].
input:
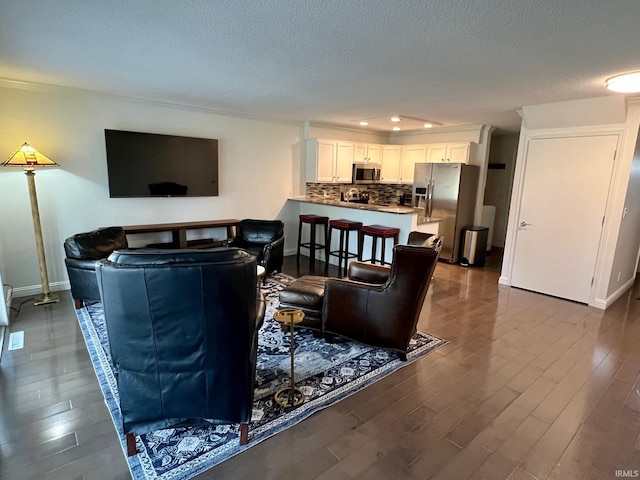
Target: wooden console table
[{"x": 179, "y": 232}]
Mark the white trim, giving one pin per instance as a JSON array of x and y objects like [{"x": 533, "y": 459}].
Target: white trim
[
  {"x": 48, "y": 88},
  {"x": 37, "y": 289},
  {"x": 606, "y": 303}
]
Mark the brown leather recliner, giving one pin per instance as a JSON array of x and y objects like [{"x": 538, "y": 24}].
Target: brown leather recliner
[{"x": 380, "y": 306}]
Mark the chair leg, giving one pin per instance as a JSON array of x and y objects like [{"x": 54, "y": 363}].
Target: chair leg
[
  {"x": 326, "y": 232},
  {"x": 382, "y": 258},
  {"x": 360, "y": 245},
  {"x": 131, "y": 445},
  {"x": 299, "y": 240},
  {"x": 403, "y": 356},
  {"x": 327, "y": 249},
  {"x": 341, "y": 252},
  {"x": 374, "y": 244},
  {"x": 244, "y": 433},
  {"x": 79, "y": 303},
  {"x": 312, "y": 248},
  {"x": 346, "y": 253}
]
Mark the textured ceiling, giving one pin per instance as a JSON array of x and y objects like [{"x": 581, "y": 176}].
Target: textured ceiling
[{"x": 338, "y": 61}]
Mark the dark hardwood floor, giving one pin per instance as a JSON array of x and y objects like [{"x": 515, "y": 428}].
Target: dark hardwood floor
[{"x": 528, "y": 387}]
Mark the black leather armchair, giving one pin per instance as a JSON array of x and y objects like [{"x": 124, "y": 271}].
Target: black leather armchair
[
  {"x": 380, "y": 306},
  {"x": 183, "y": 333},
  {"x": 264, "y": 239},
  {"x": 82, "y": 251}
]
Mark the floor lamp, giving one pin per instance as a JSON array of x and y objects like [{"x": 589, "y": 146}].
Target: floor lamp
[{"x": 29, "y": 159}]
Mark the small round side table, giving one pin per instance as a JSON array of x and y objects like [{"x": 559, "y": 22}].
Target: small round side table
[{"x": 289, "y": 396}]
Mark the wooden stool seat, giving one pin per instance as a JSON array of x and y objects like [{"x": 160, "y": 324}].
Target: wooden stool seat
[
  {"x": 377, "y": 232},
  {"x": 344, "y": 226}
]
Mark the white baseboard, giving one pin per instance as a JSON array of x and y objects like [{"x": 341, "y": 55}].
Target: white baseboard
[
  {"x": 37, "y": 289},
  {"x": 603, "y": 304},
  {"x": 504, "y": 280}
]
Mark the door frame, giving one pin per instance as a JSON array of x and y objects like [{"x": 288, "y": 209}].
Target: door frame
[{"x": 601, "y": 278}]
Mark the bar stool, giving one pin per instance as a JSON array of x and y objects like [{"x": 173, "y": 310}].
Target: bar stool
[
  {"x": 344, "y": 226},
  {"x": 377, "y": 232},
  {"x": 312, "y": 244}
]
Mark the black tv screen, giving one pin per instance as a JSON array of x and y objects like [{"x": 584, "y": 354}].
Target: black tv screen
[{"x": 154, "y": 165}]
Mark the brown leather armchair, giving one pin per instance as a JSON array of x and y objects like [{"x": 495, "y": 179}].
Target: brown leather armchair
[{"x": 380, "y": 306}]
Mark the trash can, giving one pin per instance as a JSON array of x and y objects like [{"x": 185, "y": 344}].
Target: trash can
[{"x": 474, "y": 246}]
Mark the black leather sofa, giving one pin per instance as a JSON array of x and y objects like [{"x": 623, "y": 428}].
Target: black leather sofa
[
  {"x": 183, "y": 333},
  {"x": 264, "y": 239},
  {"x": 82, "y": 251}
]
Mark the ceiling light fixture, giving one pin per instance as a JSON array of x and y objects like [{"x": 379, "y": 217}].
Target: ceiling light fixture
[
  {"x": 625, "y": 83},
  {"x": 364, "y": 124},
  {"x": 395, "y": 119},
  {"x": 396, "y": 129},
  {"x": 428, "y": 125}
]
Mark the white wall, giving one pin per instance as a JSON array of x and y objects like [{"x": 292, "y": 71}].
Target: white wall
[
  {"x": 257, "y": 161},
  {"x": 625, "y": 258}
]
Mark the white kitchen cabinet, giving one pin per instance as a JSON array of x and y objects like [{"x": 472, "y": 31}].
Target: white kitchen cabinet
[
  {"x": 448, "y": 153},
  {"x": 411, "y": 154},
  {"x": 390, "y": 171},
  {"x": 329, "y": 161},
  {"x": 364, "y": 153}
]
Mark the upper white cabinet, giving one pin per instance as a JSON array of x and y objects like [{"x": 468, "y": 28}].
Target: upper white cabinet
[
  {"x": 329, "y": 161},
  {"x": 390, "y": 171},
  {"x": 448, "y": 153},
  {"x": 411, "y": 154},
  {"x": 364, "y": 153}
]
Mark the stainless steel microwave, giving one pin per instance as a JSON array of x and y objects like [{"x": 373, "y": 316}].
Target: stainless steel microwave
[{"x": 366, "y": 173}]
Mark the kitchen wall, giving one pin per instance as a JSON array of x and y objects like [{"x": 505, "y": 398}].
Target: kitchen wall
[
  {"x": 378, "y": 193},
  {"x": 477, "y": 134},
  {"x": 257, "y": 162}
]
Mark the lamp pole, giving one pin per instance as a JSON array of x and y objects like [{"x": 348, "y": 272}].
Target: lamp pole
[{"x": 47, "y": 296}]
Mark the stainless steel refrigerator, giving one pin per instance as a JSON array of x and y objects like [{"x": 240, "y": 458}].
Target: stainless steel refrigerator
[{"x": 446, "y": 191}]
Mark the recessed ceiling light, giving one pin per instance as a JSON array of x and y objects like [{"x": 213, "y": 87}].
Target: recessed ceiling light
[
  {"x": 626, "y": 83},
  {"x": 395, "y": 119},
  {"x": 428, "y": 125},
  {"x": 364, "y": 124},
  {"x": 395, "y": 129}
]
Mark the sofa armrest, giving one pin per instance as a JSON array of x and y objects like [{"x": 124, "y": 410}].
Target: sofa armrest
[
  {"x": 269, "y": 247},
  {"x": 81, "y": 264},
  {"x": 369, "y": 273}
]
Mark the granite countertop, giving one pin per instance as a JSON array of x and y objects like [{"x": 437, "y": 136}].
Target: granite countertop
[{"x": 384, "y": 208}]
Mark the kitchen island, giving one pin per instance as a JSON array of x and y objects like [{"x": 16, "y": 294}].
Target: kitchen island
[{"x": 403, "y": 217}]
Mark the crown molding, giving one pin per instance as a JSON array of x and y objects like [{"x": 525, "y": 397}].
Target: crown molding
[
  {"x": 443, "y": 129},
  {"x": 59, "y": 89}
]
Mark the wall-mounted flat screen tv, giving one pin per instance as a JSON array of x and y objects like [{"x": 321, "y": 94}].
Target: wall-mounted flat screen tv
[{"x": 154, "y": 165}]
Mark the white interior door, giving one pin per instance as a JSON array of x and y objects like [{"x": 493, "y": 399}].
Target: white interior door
[{"x": 564, "y": 196}]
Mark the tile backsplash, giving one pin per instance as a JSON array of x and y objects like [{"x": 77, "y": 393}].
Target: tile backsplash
[{"x": 378, "y": 192}]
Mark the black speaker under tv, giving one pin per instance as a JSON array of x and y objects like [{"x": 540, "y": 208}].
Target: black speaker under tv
[{"x": 155, "y": 165}]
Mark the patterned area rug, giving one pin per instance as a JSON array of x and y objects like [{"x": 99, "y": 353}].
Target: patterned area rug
[{"x": 325, "y": 372}]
